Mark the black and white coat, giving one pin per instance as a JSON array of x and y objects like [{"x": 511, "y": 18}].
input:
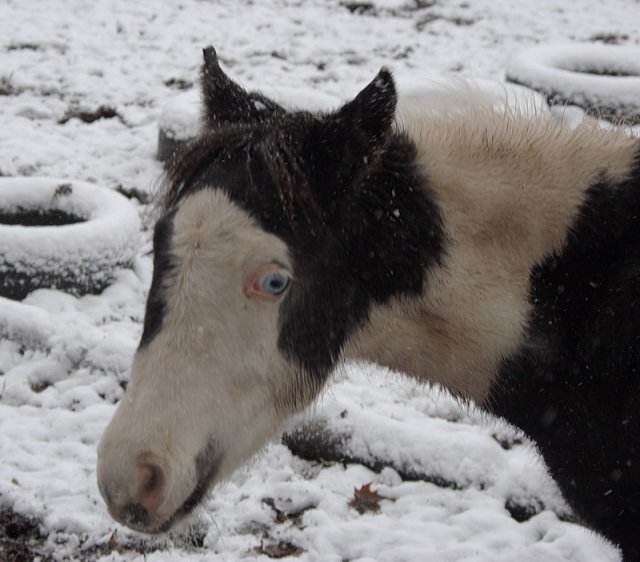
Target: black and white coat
[{"x": 493, "y": 253}]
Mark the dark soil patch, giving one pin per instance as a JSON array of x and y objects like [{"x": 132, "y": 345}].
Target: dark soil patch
[
  {"x": 508, "y": 442},
  {"x": 39, "y": 386},
  {"x": 24, "y": 47},
  {"x": 103, "y": 112},
  {"x": 424, "y": 21},
  {"x": 523, "y": 512},
  {"x": 134, "y": 193},
  {"x": 20, "y": 538},
  {"x": 284, "y": 515},
  {"x": 7, "y": 87},
  {"x": 359, "y": 7},
  {"x": 178, "y": 83},
  {"x": 610, "y": 38}
]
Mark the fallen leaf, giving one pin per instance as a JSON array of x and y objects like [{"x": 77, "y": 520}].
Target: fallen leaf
[{"x": 365, "y": 499}]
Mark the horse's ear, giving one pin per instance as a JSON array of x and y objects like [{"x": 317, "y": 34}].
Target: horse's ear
[
  {"x": 225, "y": 102},
  {"x": 370, "y": 115}
]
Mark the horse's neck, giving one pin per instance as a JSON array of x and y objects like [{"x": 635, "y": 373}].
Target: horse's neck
[{"x": 508, "y": 192}]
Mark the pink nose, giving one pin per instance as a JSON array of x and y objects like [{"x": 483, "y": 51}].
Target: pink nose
[{"x": 139, "y": 510}]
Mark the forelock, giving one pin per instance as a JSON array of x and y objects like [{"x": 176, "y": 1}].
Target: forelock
[{"x": 263, "y": 168}]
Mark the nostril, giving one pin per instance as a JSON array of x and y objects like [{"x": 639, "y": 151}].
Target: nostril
[{"x": 151, "y": 484}]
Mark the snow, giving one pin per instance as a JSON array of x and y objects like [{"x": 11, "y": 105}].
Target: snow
[{"x": 64, "y": 360}]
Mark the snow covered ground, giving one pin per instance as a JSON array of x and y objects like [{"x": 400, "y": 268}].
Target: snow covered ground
[{"x": 485, "y": 496}]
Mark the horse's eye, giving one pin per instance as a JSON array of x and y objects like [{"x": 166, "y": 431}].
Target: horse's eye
[{"x": 275, "y": 283}]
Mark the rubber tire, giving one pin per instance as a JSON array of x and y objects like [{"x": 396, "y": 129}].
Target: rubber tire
[
  {"x": 604, "y": 79},
  {"x": 78, "y": 258}
]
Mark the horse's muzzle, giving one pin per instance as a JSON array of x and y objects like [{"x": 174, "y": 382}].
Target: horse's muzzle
[
  {"x": 138, "y": 496},
  {"x": 134, "y": 498}
]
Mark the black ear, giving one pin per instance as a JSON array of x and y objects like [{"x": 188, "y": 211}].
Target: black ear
[
  {"x": 370, "y": 115},
  {"x": 225, "y": 102}
]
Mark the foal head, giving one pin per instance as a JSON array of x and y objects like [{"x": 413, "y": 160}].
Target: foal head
[{"x": 261, "y": 274}]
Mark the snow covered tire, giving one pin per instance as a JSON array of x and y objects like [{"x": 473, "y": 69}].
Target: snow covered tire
[
  {"x": 62, "y": 234},
  {"x": 602, "y": 78}
]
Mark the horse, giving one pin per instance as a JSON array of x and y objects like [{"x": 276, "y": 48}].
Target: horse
[{"x": 490, "y": 252}]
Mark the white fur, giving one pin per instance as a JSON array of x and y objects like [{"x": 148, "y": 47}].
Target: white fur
[{"x": 213, "y": 371}]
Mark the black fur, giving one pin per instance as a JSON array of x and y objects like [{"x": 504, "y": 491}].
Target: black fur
[
  {"x": 225, "y": 102},
  {"x": 574, "y": 388},
  {"x": 163, "y": 265}
]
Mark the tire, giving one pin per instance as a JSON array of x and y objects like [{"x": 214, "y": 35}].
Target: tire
[
  {"x": 180, "y": 119},
  {"x": 418, "y": 96},
  {"x": 61, "y": 234},
  {"x": 604, "y": 79},
  {"x": 179, "y": 123}
]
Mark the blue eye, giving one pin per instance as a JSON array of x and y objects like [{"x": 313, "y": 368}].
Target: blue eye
[{"x": 275, "y": 283}]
